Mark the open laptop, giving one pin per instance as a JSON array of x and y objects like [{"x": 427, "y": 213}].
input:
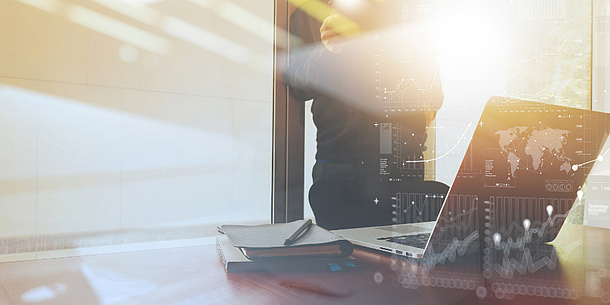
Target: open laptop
[{"x": 522, "y": 173}]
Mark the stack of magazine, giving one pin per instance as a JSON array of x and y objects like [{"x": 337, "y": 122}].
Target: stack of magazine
[{"x": 264, "y": 248}]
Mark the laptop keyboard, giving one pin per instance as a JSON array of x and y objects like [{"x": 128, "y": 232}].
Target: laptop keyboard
[{"x": 413, "y": 240}]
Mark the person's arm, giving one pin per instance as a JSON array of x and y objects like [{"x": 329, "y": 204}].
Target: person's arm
[
  {"x": 316, "y": 67},
  {"x": 307, "y": 72}
]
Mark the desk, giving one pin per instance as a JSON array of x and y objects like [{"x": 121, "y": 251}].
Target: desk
[
  {"x": 195, "y": 275},
  {"x": 376, "y": 282}
]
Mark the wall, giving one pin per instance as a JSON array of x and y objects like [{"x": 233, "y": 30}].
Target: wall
[{"x": 132, "y": 119}]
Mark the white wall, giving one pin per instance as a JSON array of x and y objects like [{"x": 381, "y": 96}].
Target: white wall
[{"x": 123, "y": 114}]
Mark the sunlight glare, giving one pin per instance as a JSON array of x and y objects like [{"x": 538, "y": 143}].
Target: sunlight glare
[
  {"x": 205, "y": 39},
  {"x": 44, "y": 293},
  {"x": 140, "y": 13},
  {"x": 140, "y": 3},
  {"x": 470, "y": 37},
  {"x": 50, "y": 6},
  {"x": 118, "y": 30},
  {"x": 350, "y": 6}
]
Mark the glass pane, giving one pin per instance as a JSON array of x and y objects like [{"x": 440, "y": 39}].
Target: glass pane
[
  {"x": 129, "y": 122},
  {"x": 549, "y": 56}
]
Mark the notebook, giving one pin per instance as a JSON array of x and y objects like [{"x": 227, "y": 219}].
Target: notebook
[
  {"x": 234, "y": 260},
  {"x": 522, "y": 172},
  {"x": 267, "y": 241}
]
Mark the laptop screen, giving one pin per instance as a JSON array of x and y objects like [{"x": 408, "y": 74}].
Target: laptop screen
[{"x": 522, "y": 173}]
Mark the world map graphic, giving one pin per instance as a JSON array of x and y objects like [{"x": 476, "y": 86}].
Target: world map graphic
[{"x": 534, "y": 149}]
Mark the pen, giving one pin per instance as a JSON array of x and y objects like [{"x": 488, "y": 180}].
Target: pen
[{"x": 298, "y": 232}]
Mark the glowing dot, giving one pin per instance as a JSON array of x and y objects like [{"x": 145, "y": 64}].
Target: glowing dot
[
  {"x": 378, "y": 277},
  {"x": 549, "y": 210},
  {"x": 580, "y": 193},
  {"x": 497, "y": 238},
  {"x": 600, "y": 158},
  {"x": 574, "y": 167},
  {"x": 527, "y": 223}
]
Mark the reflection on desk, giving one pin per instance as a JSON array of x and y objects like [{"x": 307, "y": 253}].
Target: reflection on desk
[{"x": 195, "y": 275}]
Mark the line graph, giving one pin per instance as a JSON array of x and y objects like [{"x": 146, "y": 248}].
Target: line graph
[
  {"x": 457, "y": 231},
  {"x": 412, "y": 92},
  {"x": 460, "y": 139},
  {"x": 450, "y": 251},
  {"x": 416, "y": 207},
  {"x": 517, "y": 258},
  {"x": 523, "y": 219},
  {"x": 407, "y": 78},
  {"x": 599, "y": 158},
  {"x": 526, "y": 264}
]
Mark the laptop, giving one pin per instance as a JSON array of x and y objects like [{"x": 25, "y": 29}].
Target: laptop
[{"x": 521, "y": 174}]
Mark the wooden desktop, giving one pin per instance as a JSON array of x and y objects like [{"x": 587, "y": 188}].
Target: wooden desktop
[{"x": 385, "y": 279}]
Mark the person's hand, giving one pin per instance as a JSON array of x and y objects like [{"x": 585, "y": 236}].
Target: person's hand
[{"x": 336, "y": 30}]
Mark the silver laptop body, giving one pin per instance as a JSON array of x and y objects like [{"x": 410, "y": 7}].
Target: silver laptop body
[{"x": 377, "y": 237}]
